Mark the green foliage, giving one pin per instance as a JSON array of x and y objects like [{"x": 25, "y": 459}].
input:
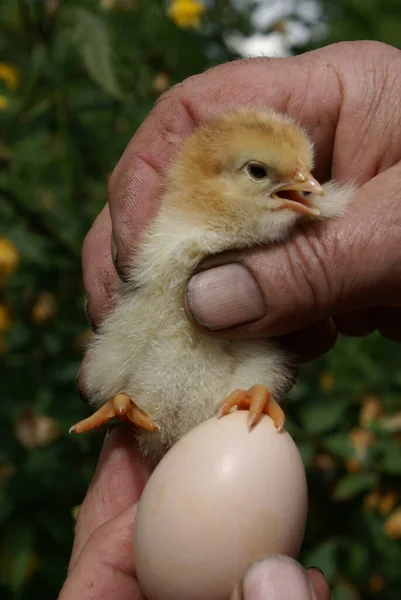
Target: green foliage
[
  {"x": 360, "y": 20},
  {"x": 91, "y": 39},
  {"x": 88, "y": 76},
  {"x": 353, "y": 465}
]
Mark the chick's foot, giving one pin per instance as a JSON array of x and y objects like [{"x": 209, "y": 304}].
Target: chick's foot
[
  {"x": 121, "y": 407},
  {"x": 257, "y": 400}
]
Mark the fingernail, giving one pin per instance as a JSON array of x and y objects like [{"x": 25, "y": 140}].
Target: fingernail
[
  {"x": 225, "y": 296},
  {"x": 88, "y": 317},
  {"x": 318, "y": 569},
  {"x": 276, "y": 578},
  {"x": 108, "y": 432}
]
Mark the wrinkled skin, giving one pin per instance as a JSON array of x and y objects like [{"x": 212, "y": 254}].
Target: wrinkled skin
[{"x": 338, "y": 276}]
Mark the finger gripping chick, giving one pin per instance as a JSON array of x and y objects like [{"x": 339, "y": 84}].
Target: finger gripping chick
[{"x": 242, "y": 179}]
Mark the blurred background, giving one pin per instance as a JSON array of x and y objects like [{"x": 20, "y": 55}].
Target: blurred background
[{"x": 76, "y": 79}]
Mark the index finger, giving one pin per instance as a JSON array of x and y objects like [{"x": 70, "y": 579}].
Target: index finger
[{"x": 117, "y": 484}]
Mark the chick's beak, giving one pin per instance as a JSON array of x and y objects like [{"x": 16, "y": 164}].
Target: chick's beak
[{"x": 290, "y": 193}]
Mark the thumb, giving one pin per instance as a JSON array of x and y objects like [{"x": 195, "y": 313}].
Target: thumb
[
  {"x": 281, "y": 577},
  {"x": 324, "y": 269}
]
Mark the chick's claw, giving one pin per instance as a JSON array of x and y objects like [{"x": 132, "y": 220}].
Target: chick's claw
[
  {"x": 257, "y": 400},
  {"x": 121, "y": 407}
]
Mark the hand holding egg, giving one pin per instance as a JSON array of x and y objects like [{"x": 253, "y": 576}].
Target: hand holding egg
[
  {"x": 103, "y": 564},
  {"x": 222, "y": 498}
]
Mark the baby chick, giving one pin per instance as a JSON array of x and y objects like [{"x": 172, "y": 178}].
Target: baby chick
[{"x": 242, "y": 179}]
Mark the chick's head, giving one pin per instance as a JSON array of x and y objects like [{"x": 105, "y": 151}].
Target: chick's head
[{"x": 246, "y": 175}]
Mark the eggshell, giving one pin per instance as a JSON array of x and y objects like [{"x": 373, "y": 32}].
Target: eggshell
[{"x": 221, "y": 498}]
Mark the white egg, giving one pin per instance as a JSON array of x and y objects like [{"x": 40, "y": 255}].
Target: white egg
[{"x": 221, "y": 498}]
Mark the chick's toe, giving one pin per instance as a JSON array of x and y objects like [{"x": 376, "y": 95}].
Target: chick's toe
[
  {"x": 121, "y": 407},
  {"x": 257, "y": 400}
]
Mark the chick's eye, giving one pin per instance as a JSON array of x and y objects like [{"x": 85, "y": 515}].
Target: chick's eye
[{"x": 256, "y": 171}]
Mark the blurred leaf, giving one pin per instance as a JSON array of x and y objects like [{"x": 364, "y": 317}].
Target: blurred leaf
[
  {"x": 391, "y": 460},
  {"x": 338, "y": 445},
  {"x": 66, "y": 373},
  {"x": 357, "y": 558},
  {"x": 307, "y": 452},
  {"x": 323, "y": 415},
  {"x": 5, "y": 507},
  {"x": 343, "y": 591},
  {"x": 351, "y": 485},
  {"x": 324, "y": 557},
  {"x": 17, "y": 553},
  {"x": 92, "y": 41}
]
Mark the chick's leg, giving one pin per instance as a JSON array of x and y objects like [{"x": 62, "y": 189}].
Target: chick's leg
[
  {"x": 121, "y": 407},
  {"x": 257, "y": 400}
]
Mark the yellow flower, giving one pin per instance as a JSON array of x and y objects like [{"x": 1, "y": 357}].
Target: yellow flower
[
  {"x": 4, "y": 102},
  {"x": 360, "y": 440},
  {"x": 383, "y": 503},
  {"x": 392, "y": 525},
  {"x": 327, "y": 381},
  {"x": 186, "y": 13},
  {"x": 160, "y": 83},
  {"x": 371, "y": 410},
  {"x": 44, "y": 309},
  {"x": 9, "y": 75},
  {"x": 9, "y": 257},
  {"x": 387, "y": 502},
  {"x": 5, "y": 318}
]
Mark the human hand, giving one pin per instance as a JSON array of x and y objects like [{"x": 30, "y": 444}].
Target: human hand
[
  {"x": 102, "y": 564},
  {"x": 102, "y": 561},
  {"x": 339, "y": 275}
]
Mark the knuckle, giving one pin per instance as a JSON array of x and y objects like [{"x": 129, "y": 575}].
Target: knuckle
[
  {"x": 367, "y": 51},
  {"x": 173, "y": 91},
  {"x": 378, "y": 49}
]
